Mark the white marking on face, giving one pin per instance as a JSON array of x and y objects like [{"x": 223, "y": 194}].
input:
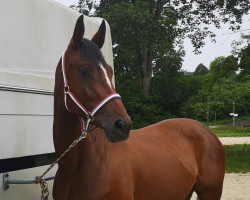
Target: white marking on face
[{"x": 106, "y": 75}]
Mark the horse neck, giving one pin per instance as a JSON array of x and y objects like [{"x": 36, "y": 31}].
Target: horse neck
[{"x": 66, "y": 128}]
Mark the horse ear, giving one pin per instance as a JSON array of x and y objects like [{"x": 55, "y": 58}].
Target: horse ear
[
  {"x": 78, "y": 33},
  {"x": 99, "y": 37}
]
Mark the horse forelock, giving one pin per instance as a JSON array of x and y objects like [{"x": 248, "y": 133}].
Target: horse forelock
[{"x": 90, "y": 51}]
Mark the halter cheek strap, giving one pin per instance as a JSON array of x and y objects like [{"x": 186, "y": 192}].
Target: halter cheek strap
[{"x": 89, "y": 114}]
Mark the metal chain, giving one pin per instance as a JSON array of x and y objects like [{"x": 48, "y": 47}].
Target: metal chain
[
  {"x": 44, "y": 190},
  {"x": 43, "y": 184}
]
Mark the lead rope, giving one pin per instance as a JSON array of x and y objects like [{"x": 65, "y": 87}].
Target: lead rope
[
  {"x": 42, "y": 182},
  {"x": 44, "y": 190}
]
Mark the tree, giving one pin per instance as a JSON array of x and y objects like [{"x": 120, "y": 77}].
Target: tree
[
  {"x": 219, "y": 99},
  {"x": 215, "y": 66},
  {"x": 157, "y": 26},
  {"x": 245, "y": 62},
  {"x": 223, "y": 67},
  {"x": 142, "y": 42},
  {"x": 229, "y": 66},
  {"x": 241, "y": 49},
  {"x": 85, "y": 7},
  {"x": 200, "y": 70}
]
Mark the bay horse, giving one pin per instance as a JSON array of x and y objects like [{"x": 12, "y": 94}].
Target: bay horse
[{"x": 167, "y": 160}]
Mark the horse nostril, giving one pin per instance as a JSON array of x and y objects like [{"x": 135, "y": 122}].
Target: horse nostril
[{"x": 119, "y": 124}]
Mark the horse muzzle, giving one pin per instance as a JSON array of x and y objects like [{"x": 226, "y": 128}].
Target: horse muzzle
[{"x": 118, "y": 131}]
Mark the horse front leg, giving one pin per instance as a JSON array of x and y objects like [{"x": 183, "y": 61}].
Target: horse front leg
[{"x": 61, "y": 188}]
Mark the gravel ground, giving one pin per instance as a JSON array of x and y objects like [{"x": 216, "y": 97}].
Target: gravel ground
[
  {"x": 236, "y": 185},
  {"x": 235, "y": 140}
]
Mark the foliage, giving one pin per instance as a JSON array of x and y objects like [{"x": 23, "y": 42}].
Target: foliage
[
  {"x": 192, "y": 14},
  {"x": 218, "y": 99},
  {"x": 144, "y": 110},
  {"x": 85, "y": 7},
  {"x": 140, "y": 45},
  {"x": 200, "y": 70},
  {"x": 223, "y": 67},
  {"x": 158, "y": 26},
  {"x": 237, "y": 158},
  {"x": 174, "y": 90},
  {"x": 245, "y": 62}
]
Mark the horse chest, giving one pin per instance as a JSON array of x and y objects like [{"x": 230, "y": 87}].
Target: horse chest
[{"x": 100, "y": 184}]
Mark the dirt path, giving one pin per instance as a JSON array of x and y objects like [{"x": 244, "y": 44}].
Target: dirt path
[
  {"x": 235, "y": 140},
  {"x": 236, "y": 187}
]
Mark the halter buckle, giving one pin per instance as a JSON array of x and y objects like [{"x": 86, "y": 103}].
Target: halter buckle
[{"x": 66, "y": 89}]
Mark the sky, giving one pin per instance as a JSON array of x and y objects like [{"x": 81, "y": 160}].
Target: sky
[{"x": 210, "y": 51}]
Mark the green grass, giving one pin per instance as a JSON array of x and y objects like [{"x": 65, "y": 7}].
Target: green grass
[
  {"x": 226, "y": 131},
  {"x": 237, "y": 158},
  {"x": 224, "y": 121}
]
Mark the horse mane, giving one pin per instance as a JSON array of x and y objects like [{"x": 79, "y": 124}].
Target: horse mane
[{"x": 90, "y": 51}]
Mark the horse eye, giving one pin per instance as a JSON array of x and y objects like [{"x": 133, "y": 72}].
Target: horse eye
[{"x": 84, "y": 72}]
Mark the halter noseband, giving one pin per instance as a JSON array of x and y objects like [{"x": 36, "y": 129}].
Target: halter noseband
[{"x": 89, "y": 114}]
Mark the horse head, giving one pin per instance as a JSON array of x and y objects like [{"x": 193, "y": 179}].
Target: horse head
[{"x": 87, "y": 80}]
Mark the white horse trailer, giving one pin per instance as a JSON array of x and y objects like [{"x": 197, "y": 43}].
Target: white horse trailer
[{"x": 33, "y": 35}]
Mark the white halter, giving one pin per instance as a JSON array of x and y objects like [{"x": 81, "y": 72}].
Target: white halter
[{"x": 89, "y": 114}]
